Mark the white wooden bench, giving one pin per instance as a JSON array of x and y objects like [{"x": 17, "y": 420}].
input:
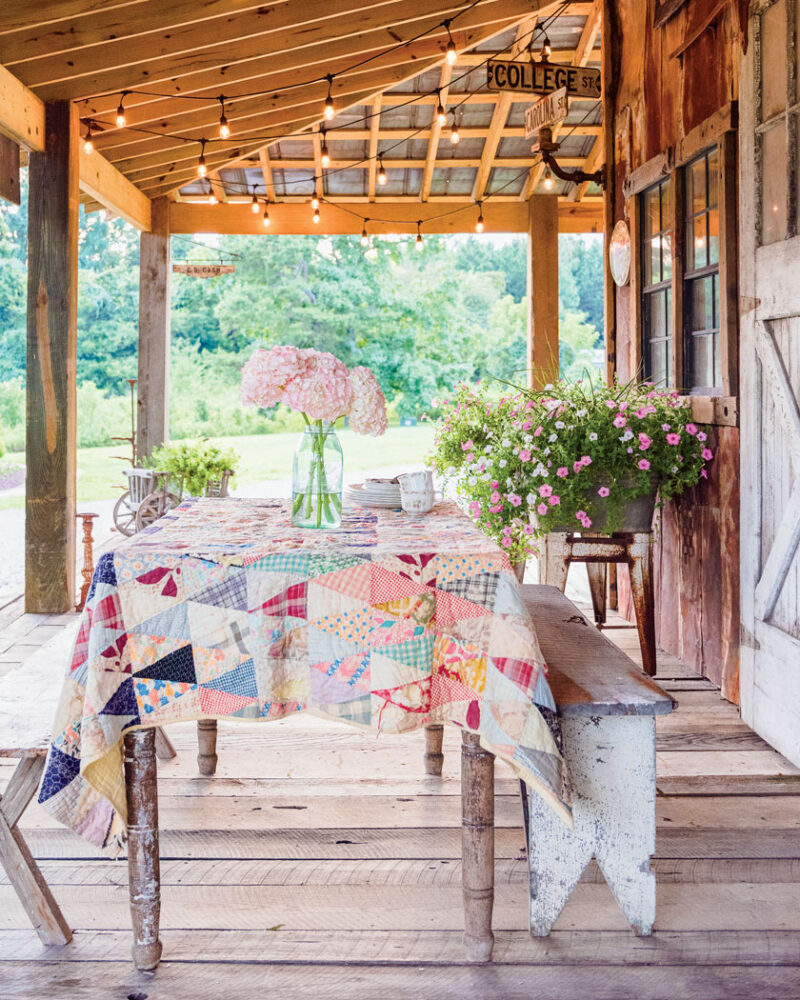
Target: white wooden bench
[
  {"x": 607, "y": 708},
  {"x": 28, "y": 698}
]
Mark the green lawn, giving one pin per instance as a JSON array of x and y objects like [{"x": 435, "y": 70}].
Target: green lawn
[{"x": 263, "y": 457}]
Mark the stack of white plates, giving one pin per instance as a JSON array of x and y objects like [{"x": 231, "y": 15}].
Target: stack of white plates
[{"x": 375, "y": 493}]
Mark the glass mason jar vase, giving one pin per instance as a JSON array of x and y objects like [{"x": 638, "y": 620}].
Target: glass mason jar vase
[{"x": 317, "y": 478}]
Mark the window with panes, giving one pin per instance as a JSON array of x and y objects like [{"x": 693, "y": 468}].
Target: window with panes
[
  {"x": 701, "y": 328},
  {"x": 657, "y": 229}
]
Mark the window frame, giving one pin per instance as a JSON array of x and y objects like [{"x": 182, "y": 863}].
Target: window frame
[{"x": 720, "y": 130}]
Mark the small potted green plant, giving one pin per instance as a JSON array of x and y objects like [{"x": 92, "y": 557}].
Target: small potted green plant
[
  {"x": 571, "y": 457},
  {"x": 197, "y": 468}
]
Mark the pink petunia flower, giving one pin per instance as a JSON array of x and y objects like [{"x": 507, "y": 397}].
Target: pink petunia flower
[
  {"x": 643, "y": 464},
  {"x": 707, "y": 454},
  {"x": 619, "y": 420},
  {"x": 495, "y": 497},
  {"x": 542, "y": 509},
  {"x": 586, "y": 460},
  {"x": 538, "y": 431},
  {"x": 673, "y": 439},
  {"x": 496, "y": 508},
  {"x": 546, "y": 490},
  {"x": 524, "y": 455},
  {"x": 514, "y": 499},
  {"x": 644, "y": 442},
  {"x": 554, "y": 500},
  {"x": 603, "y": 491},
  {"x": 563, "y": 472},
  {"x": 577, "y": 466},
  {"x": 505, "y": 541},
  {"x": 691, "y": 429},
  {"x": 468, "y": 445},
  {"x": 701, "y": 436},
  {"x": 611, "y": 404}
]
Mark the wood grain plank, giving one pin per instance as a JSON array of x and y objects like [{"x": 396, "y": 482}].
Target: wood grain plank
[{"x": 32, "y": 981}]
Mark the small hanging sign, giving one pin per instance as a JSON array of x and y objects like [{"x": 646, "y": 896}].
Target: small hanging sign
[
  {"x": 542, "y": 78},
  {"x": 549, "y": 110},
  {"x": 203, "y": 270}
]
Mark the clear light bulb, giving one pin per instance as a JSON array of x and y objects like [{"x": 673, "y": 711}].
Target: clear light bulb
[
  {"x": 381, "y": 174},
  {"x": 418, "y": 243},
  {"x": 120, "y": 119},
  {"x": 479, "y": 224},
  {"x": 452, "y": 55},
  {"x": 265, "y": 219},
  {"x": 548, "y": 180},
  {"x": 325, "y": 157},
  {"x": 315, "y": 203},
  {"x": 316, "y": 216},
  {"x": 201, "y": 166},
  {"x": 455, "y": 138},
  {"x": 441, "y": 117},
  {"x": 364, "y": 237},
  {"x": 224, "y": 128}
]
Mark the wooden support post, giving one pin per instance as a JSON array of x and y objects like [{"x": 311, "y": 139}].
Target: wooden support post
[
  {"x": 477, "y": 846},
  {"x": 51, "y": 361},
  {"x": 144, "y": 876},
  {"x": 154, "y": 332},
  {"x": 207, "y": 747},
  {"x": 434, "y": 758},
  {"x": 542, "y": 290}
]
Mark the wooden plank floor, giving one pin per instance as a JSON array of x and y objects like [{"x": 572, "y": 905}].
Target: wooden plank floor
[{"x": 321, "y": 862}]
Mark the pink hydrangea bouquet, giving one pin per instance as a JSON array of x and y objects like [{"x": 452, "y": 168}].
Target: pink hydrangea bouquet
[
  {"x": 570, "y": 457},
  {"x": 321, "y": 388}
]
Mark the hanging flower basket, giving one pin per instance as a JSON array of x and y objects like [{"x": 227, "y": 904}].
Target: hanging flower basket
[{"x": 572, "y": 457}]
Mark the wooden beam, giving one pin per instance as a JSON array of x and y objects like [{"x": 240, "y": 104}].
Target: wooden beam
[
  {"x": 266, "y": 173},
  {"x": 162, "y": 56},
  {"x": 586, "y": 43},
  {"x": 50, "y": 445},
  {"x": 21, "y": 113},
  {"x": 542, "y": 290},
  {"x": 435, "y": 132},
  {"x": 9, "y": 170},
  {"x": 525, "y": 34},
  {"x": 112, "y": 189},
  {"x": 593, "y": 162},
  {"x": 374, "y": 135},
  {"x": 154, "y": 330},
  {"x": 401, "y": 217}
]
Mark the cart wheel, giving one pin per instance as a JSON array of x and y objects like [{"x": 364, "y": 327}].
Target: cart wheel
[
  {"x": 154, "y": 506},
  {"x": 124, "y": 515}
]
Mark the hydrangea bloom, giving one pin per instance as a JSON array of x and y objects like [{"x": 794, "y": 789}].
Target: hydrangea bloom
[
  {"x": 368, "y": 410},
  {"x": 323, "y": 391}
]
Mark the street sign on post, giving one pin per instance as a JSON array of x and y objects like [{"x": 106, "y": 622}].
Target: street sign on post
[
  {"x": 548, "y": 111},
  {"x": 542, "y": 78}
]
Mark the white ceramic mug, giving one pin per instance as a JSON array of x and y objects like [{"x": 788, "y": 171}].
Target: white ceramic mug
[{"x": 416, "y": 481}]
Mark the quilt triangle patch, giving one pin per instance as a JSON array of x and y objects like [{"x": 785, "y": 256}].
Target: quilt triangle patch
[
  {"x": 216, "y": 702},
  {"x": 479, "y": 589},
  {"x": 177, "y": 666},
  {"x": 355, "y": 581},
  {"x": 292, "y": 602},
  {"x": 153, "y": 694},
  {"x": 174, "y": 622},
  {"x": 231, "y": 592},
  {"x": 240, "y": 681},
  {"x": 451, "y": 608},
  {"x": 122, "y": 701},
  {"x": 391, "y": 586},
  {"x": 61, "y": 770}
]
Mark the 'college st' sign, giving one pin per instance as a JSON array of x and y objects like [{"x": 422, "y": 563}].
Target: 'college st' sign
[{"x": 542, "y": 77}]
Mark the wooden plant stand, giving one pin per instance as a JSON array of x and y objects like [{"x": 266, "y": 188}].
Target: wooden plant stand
[{"x": 635, "y": 549}]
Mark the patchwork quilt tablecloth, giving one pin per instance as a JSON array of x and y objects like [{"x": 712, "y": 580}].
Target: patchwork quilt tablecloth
[{"x": 222, "y": 609}]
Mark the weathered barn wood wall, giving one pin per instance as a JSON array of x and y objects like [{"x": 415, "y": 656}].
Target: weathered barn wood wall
[{"x": 669, "y": 80}]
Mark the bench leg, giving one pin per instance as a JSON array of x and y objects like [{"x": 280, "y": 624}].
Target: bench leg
[
  {"x": 556, "y": 560},
  {"x": 434, "y": 758},
  {"x": 207, "y": 747},
  {"x": 23, "y": 873},
  {"x": 477, "y": 847},
  {"x": 612, "y": 765},
  {"x": 640, "y": 562},
  {"x": 597, "y": 586},
  {"x": 144, "y": 877},
  {"x": 164, "y": 748}
]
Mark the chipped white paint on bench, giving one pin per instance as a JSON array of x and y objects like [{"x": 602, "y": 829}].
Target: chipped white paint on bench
[{"x": 607, "y": 709}]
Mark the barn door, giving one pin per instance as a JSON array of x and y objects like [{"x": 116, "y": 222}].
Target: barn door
[{"x": 770, "y": 375}]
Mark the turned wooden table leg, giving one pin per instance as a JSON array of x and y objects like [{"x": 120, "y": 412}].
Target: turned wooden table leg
[
  {"x": 434, "y": 758},
  {"x": 207, "y": 747},
  {"x": 477, "y": 847},
  {"x": 640, "y": 562},
  {"x": 144, "y": 877}
]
